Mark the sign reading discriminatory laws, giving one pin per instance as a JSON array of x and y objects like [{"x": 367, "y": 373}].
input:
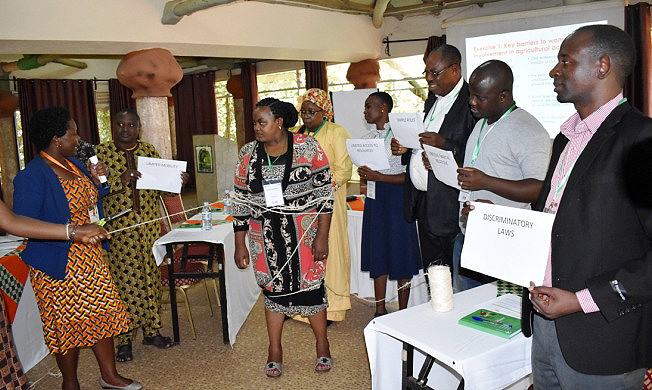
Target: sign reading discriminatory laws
[
  {"x": 368, "y": 152},
  {"x": 160, "y": 174},
  {"x": 507, "y": 243},
  {"x": 407, "y": 127}
]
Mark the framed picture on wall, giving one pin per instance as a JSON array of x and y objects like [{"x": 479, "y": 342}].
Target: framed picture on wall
[{"x": 204, "y": 158}]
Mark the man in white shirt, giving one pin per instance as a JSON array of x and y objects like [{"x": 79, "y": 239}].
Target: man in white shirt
[{"x": 448, "y": 123}]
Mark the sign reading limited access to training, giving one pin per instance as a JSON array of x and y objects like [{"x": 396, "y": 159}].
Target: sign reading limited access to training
[{"x": 507, "y": 243}]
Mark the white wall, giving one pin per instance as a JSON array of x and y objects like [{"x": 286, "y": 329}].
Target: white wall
[{"x": 239, "y": 30}]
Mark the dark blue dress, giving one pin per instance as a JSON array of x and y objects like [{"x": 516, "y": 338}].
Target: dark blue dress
[{"x": 389, "y": 243}]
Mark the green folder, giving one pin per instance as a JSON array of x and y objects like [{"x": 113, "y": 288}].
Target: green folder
[{"x": 491, "y": 322}]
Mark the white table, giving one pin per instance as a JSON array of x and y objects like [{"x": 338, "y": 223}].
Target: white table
[
  {"x": 483, "y": 360},
  {"x": 27, "y": 328},
  {"x": 242, "y": 291},
  {"x": 362, "y": 284},
  {"x": 241, "y": 288}
]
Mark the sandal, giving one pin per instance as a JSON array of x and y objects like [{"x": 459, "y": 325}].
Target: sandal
[
  {"x": 158, "y": 341},
  {"x": 273, "y": 369},
  {"x": 323, "y": 364},
  {"x": 124, "y": 353}
]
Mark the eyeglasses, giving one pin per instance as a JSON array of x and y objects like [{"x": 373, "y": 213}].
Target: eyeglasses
[
  {"x": 309, "y": 113},
  {"x": 436, "y": 74}
]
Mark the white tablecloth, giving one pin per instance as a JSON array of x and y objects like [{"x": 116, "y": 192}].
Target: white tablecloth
[
  {"x": 241, "y": 289},
  {"x": 27, "y": 328},
  {"x": 362, "y": 284},
  {"x": 484, "y": 360}
]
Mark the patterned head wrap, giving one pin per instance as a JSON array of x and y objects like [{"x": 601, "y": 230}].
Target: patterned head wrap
[{"x": 320, "y": 98}]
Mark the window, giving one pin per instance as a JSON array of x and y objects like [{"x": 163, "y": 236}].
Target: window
[
  {"x": 19, "y": 139},
  {"x": 286, "y": 86},
  {"x": 400, "y": 77},
  {"x": 225, "y": 112},
  {"x": 102, "y": 109}
]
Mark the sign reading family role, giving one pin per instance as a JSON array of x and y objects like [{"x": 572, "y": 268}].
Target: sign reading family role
[
  {"x": 507, "y": 243},
  {"x": 160, "y": 174},
  {"x": 368, "y": 152},
  {"x": 443, "y": 165},
  {"x": 407, "y": 127}
]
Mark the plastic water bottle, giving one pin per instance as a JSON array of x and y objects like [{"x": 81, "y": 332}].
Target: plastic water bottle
[
  {"x": 206, "y": 217},
  {"x": 227, "y": 202}
]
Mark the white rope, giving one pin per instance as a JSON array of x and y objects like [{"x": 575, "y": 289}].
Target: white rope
[
  {"x": 278, "y": 273},
  {"x": 53, "y": 371},
  {"x": 283, "y": 210},
  {"x": 154, "y": 220},
  {"x": 406, "y": 285}
]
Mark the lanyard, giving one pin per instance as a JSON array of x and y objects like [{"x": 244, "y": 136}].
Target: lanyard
[
  {"x": 319, "y": 128},
  {"x": 480, "y": 140},
  {"x": 71, "y": 169},
  {"x": 270, "y": 162},
  {"x": 562, "y": 183},
  {"x": 434, "y": 108},
  {"x": 387, "y": 134}
]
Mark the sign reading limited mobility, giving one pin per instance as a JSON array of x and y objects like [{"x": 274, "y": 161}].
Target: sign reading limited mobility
[{"x": 507, "y": 243}]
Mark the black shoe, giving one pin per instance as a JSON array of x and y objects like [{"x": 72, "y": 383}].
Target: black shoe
[
  {"x": 158, "y": 341},
  {"x": 124, "y": 353}
]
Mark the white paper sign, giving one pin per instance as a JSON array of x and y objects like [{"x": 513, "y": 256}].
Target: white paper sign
[
  {"x": 160, "y": 174},
  {"x": 407, "y": 127},
  {"x": 273, "y": 193},
  {"x": 507, "y": 243},
  {"x": 368, "y": 152},
  {"x": 443, "y": 165},
  {"x": 371, "y": 189}
]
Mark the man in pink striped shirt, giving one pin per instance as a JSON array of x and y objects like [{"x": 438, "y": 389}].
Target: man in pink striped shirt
[{"x": 592, "y": 318}]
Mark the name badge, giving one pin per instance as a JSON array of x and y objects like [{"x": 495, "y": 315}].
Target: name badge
[
  {"x": 273, "y": 193},
  {"x": 94, "y": 214},
  {"x": 464, "y": 196},
  {"x": 371, "y": 189}
]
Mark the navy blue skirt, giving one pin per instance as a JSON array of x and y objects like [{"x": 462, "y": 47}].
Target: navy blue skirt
[{"x": 390, "y": 245}]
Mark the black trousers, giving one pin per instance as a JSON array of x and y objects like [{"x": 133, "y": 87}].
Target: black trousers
[{"x": 435, "y": 249}]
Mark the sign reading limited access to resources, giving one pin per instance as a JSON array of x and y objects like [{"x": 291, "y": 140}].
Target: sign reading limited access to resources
[{"x": 507, "y": 243}]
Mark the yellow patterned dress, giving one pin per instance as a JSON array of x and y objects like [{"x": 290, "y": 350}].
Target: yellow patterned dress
[
  {"x": 84, "y": 307},
  {"x": 131, "y": 260},
  {"x": 332, "y": 138}
]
